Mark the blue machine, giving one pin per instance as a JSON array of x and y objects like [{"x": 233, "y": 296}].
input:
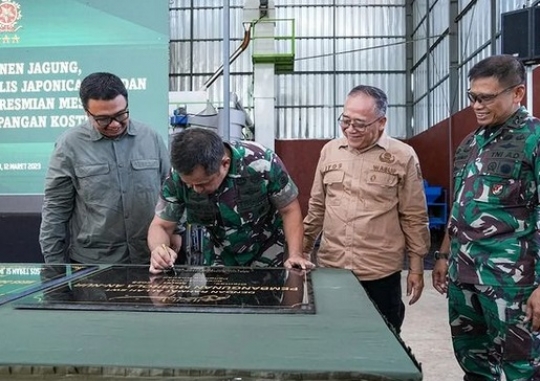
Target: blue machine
[
  {"x": 437, "y": 206},
  {"x": 179, "y": 118}
]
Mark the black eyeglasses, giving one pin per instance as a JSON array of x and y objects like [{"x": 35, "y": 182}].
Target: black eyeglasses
[
  {"x": 345, "y": 122},
  {"x": 487, "y": 98},
  {"x": 105, "y": 121}
]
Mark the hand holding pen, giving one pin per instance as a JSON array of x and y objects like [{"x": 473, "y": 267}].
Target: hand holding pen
[{"x": 162, "y": 259}]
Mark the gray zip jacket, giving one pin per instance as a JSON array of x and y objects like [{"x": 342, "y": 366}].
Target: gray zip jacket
[{"x": 103, "y": 192}]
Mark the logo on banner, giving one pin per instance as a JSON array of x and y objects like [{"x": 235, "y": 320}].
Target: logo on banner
[{"x": 10, "y": 14}]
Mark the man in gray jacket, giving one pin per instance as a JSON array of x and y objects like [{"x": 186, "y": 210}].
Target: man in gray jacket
[{"x": 103, "y": 182}]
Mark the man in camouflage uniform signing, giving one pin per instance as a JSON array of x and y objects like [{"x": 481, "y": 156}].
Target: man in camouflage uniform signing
[
  {"x": 240, "y": 192},
  {"x": 492, "y": 243}
]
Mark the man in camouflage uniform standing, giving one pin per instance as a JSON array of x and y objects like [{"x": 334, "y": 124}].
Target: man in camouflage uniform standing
[
  {"x": 492, "y": 242},
  {"x": 240, "y": 192}
]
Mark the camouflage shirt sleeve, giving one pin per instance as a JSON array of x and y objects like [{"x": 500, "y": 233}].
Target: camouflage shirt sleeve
[
  {"x": 171, "y": 205},
  {"x": 536, "y": 161},
  {"x": 281, "y": 189}
]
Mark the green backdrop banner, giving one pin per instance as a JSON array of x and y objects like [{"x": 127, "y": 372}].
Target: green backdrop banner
[{"x": 47, "y": 48}]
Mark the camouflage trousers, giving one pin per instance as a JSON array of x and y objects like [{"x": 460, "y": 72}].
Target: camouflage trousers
[
  {"x": 272, "y": 256},
  {"x": 489, "y": 335}
]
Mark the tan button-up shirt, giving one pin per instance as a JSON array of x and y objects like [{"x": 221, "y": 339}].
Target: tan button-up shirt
[{"x": 371, "y": 208}]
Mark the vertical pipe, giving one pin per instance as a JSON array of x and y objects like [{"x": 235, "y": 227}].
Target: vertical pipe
[
  {"x": 529, "y": 71},
  {"x": 430, "y": 62},
  {"x": 226, "y": 117},
  {"x": 409, "y": 57},
  {"x": 336, "y": 130},
  {"x": 494, "y": 30},
  {"x": 455, "y": 88},
  {"x": 191, "y": 43}
]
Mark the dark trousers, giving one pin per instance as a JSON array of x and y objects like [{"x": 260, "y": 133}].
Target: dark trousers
[{"x": 385, "y": 294}]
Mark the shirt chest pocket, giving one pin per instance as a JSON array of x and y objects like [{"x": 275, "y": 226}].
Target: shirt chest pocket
[
  {"x": 91, "y": 180},
  {"x": 333, "y": 185},
  {"x": 499, "y": 183},
  {"x": 145, "y": 174},
  {"x": 382, "y": 189},
  {"x": 252, "y": 199}
]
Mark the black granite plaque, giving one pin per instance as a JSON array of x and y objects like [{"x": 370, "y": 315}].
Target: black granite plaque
[
  {"x": 18, "y": 280},
  {"x": 184, "y": 289}
]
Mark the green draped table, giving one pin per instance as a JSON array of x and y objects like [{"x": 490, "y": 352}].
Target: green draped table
[{"x": 345, "y": 339}]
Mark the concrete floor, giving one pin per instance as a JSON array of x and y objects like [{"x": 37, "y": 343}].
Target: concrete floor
[{"x": 427, "y": 333}]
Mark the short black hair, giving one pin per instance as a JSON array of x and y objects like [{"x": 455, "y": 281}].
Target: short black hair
[
  {"x": 101, "y": 86},
  {"x": 197, "y": 146},
  {"x": 507, "y": 69},
  {"x": 381, "y": 100}
]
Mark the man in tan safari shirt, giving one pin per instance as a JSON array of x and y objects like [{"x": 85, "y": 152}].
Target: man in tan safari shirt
[{"x": 368, "y": 199}]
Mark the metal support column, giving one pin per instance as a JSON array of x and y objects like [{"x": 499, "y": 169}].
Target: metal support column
[
  {"x": 493, "y": 21},
  {"x": 455, "y": 83},
  {"x": 409, "y": 57},
  {"x": 429, "y": 63},
  {"x": 226, "y": 114},
  {"x": 453, "y": 36}
]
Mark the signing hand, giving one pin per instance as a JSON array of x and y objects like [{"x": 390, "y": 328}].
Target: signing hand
[{"x": 162, "y": 258}]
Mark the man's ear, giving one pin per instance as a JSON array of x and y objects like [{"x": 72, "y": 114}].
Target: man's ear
[
  {"x": 520, "y": 93},
  {"x": 225, "y": 161}
]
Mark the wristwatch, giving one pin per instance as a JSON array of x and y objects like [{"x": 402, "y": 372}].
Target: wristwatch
[{"x": 438, "y": 255}]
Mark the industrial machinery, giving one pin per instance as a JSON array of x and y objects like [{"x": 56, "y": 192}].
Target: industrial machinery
[{"x": 271, "y": 55}]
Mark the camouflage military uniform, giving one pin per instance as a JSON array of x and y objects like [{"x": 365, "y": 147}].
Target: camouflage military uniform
[
  {"x": 494, "y": 265},
  {"x": 241, "y": 217}
]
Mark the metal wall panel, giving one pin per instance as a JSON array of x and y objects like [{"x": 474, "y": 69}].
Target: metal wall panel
[
  {"x": 464, "y": 3},
  {"x": 338, "y": 2},
  {"x": 420, "y": 116},
  {"x": 439, "y": 60},
  {"x": 299, "y": 90},
  {"x": 420, "y": 81},
  {"x": 420, "y": 42},
  {"x": 439, "y": 17},
  {"x": 366, "y": 2},
  {"x": 203, "y": 3},
  {"x": 502, "y": 5},
  {"x": 440, "y": 106},
  {"x": 397, "y": 122},
  {"x": 373, "y": 54},
  {"x": 179, "y": 19},
  {"x": 310, "y": 21},
  {"x": 392, "y": 84},
  {"x": 475, "y": 28},
  {"x": 420, "y": 7},
  {"x": 418, "y": 13},
  {"x": 340, "y": 44},
  {"x": 182, "y": 57},
  {"x": 329, "y": 45},
  {"x": 509, "y": 5},
  {"x": 475, "y": 35},
  {"x": 370, "y": 21},
  {"x": 313, "y": 55},
  {"x": 305, "y": 123}
]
